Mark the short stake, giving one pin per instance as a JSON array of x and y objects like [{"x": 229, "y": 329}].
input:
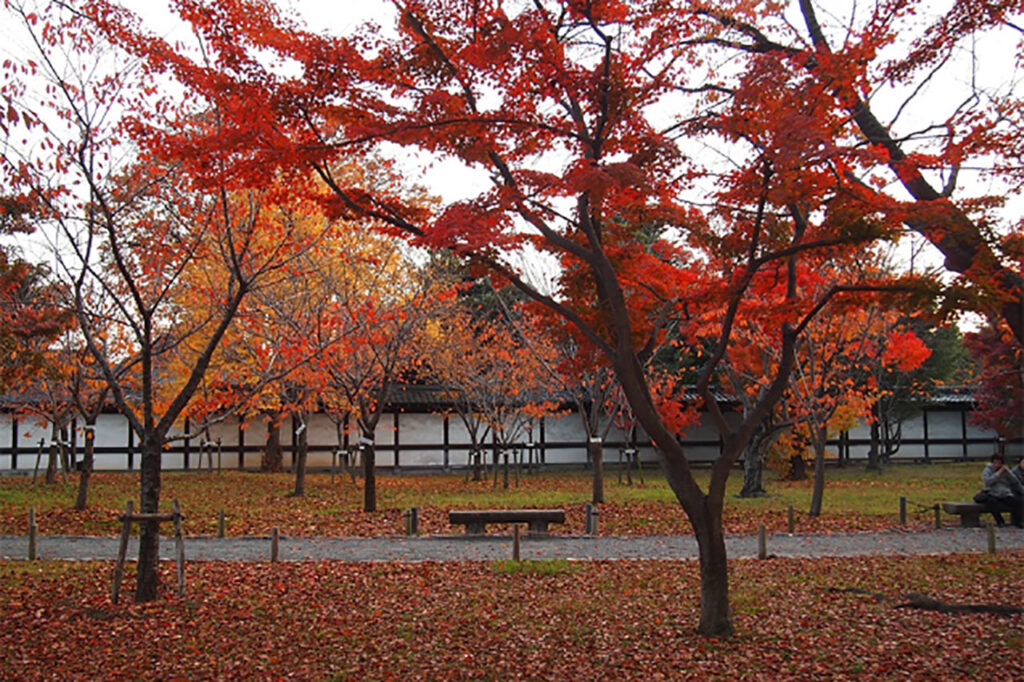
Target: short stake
[
  {"x": 33, "y": 532},
  {"x": 122, "y": 551},
  {"x": 591, "y": 519},
  {"x": 220, "y": 523},
  {"x": 515, "y": 542},
  {"x": 179, "y": 548},
  {"x": 903, "y": 511},
  {"x": 990, "y": 534},
  {"x": 762, "y": 543},
  {"x": 791, "y": 520},
  {"x": 412, "y": 521},
  {"x": 274, "y": 541}
]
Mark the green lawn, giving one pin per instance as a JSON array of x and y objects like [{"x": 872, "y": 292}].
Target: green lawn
[{"x": 855, "y": 499}]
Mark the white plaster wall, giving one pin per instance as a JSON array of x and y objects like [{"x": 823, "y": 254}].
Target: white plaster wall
[
  {"x": 564, "y": 436},
  {"x": 566, "y": 430},
  {"x": 426, "y": 431}
]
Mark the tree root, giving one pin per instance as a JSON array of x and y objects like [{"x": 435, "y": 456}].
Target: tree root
[{"x": 916, "y": 600}]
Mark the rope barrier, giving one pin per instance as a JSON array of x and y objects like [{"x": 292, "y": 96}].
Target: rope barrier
[{"x": 921, "y": 509}]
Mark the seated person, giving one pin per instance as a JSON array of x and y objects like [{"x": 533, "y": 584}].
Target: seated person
[{"x": 1002, "y": 492}]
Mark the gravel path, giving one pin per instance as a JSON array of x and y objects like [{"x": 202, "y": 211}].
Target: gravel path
[{"x": 461, "y": 548}]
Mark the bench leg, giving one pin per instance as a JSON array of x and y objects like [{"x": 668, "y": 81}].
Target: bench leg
[{"x": 969, "y": 519}]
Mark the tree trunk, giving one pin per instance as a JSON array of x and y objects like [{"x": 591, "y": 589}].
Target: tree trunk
[
  {"x": 149, "y": 531},
  {"x": 272, "y": 460},
  {"x": 88, "y": 458},
  {"x": 478, "y": 466},
  {"x": 596, "y": 448},
  {"x": 797, "y": 469},
  {"x": 369, "y": 455},
  {"x": 891, "y": 438},
  {"x": 715, "y": 613},
  {"x": 51, "y": 455},
  {"x": 874, "y": 456},
  {"x": 65, "y": 451},
  {"x": 818, "y": 440},
  {"x": 301, "y": 446},
  {"x": 753, "y": 468}
]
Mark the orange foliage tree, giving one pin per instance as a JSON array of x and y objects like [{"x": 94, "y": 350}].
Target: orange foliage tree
[
  {"x": 126, "y": 228},
  {"x": 269, "y": 364},
  {"x": 833, "y": 386},
  {"x": 383, "y": 296},
  {"x": 582, "y": 377},
  {"x": 459, "y": 362},
  {"x": 493, "y": 368},
  {"x": 834, "y": 382},
  {"x": 33, "y": 318}
]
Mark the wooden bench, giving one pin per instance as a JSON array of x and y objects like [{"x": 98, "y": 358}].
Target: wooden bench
[
  {"x": 969, "y": 512},
  {"x": 475, "y": 520}
]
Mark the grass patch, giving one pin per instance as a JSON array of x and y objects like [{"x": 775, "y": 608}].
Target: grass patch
[
  {"x": 855, "y": 499},
  {"x": 535, "y": 567}
]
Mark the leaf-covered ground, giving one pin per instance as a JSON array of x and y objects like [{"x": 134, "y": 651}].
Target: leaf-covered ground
[
  {"x": 558, "y": 620},
  {"x": 255, "y": 503}
]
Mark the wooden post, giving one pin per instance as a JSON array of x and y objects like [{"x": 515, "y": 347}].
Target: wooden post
[
  {"x": 938, "y": 517},
  {"x": 128, "y": 519},
  {"x": 186, "y": 446},
  {"x": 924, "y": 427},
  {"x": 39, "y": 458},
  {"x": 220, "y": 523},
  {"x": 963, "y": 435},
  {"x": 790, "y": 520},
  {"x": 515, "y": 542},
  {"x": 14, "y": 444},
  {"x": 122, "y": 551},
  {"x": 990, "y": 534},
  {"x": 179, "y": 546},
  {"x": 241, "y": 447},
  {"x": 591, "y": 519},
  {"x": 131, "y": 449},
  {"x": 762, "y": 543},
  {"x": 33, "y": 531},
  {"x": 274, "y": 541},
  {"x": 412, "y": 521},
  {"x": 396, "y": 424},
  {"x": 504, "y": 458},
  {"x": 903, "y": 511}
]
